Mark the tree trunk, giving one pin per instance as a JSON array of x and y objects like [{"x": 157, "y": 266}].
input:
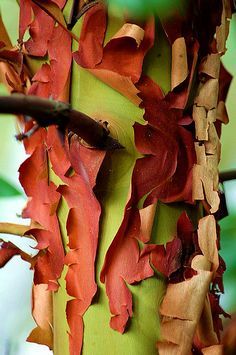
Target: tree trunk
[{"x": 128, "y": 233}]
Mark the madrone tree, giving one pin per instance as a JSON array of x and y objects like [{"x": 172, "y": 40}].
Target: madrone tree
[{"x": 121, "y": 118}]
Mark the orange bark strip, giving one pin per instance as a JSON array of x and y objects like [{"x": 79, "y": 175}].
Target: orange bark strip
[
  {"x": 179, "y": 70},
  {"x": 221, "y": 113},
  {"x": 181, "y": 331},
  {"x": 186, "y": 307},
  {"x": 183, "y": 305},
  {"x": 131, "y": 30},
  {"x": 210, "y": 65},
  {"x": 16, "y": 229},
  {"x": 207, "y": 240},
  {"x": 147, "y": 216},
  {"x": 205, "y": 333},
  {"x": 213, "y": 350},
  {"x": 42, "y": 313},
  {"x": 205, "y": 176},
  {"x": 209, "y": 106},
  {"x": 208, "y": 94}
]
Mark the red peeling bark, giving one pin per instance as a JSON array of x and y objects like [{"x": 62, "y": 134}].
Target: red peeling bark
[
  {"x": 124, "y": 264},
  {"x": 42, "y": 208},
  {"x": 90, "y": 51},
  {"x": 164, "y": 172},
  {"x": 84, "y": 212},
  {"x": 51, "y": 79},
  {"x": 120, "y": 56},
  {"x": 169, "y": 149},
  {"x": 7, "y": 251},
  {"x": 167, "y": 260},
  {"x": 40, "y": 28},
  {"x": 76, "y": 326}
]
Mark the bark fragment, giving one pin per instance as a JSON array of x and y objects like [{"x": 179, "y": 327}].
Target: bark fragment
[
  {"x": 179, "y": 71},
  {"x": 42, "y": 313}
]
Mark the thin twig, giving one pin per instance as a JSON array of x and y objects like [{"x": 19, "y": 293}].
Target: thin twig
[
  {"x": 49, "y": 112},
  {"x": 23, "y": 135}
]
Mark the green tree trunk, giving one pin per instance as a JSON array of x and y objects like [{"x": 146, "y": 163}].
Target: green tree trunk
[
  {"x": 121, "y": 114},
  {"x": 187, "y": 79}
]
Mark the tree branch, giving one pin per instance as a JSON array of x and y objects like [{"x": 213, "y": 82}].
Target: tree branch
[
  {"x": 49, "y": 112},
  {"x": 227, "y": 175}
]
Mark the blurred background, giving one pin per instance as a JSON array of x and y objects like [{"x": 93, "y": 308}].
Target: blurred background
[
  {"x": 228, "y": 162},
  {"x": 16, "y": 278}
]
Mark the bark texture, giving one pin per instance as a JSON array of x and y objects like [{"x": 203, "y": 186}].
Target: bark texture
[{"x": 129, "y": 234}]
